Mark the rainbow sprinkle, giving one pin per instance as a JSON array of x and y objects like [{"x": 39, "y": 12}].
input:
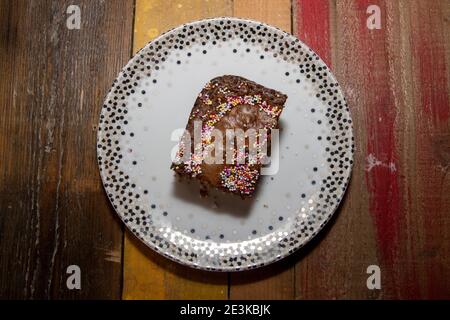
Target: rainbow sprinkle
[
  {"x": 273, "y": 111},
  {"x": 239, "y": 178},
  {"x": 233, "y": 101}
]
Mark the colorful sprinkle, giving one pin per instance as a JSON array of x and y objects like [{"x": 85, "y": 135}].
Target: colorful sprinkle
[
  {"x": 239, "y": 178},
  {"x": 273, "y": 111}
]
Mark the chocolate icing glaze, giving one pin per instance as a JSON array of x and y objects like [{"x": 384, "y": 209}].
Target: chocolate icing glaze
[{"x": 243, "y": 116}]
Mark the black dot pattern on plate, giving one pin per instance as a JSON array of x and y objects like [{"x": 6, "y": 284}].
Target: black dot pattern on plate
[{"x": 210, "y": 255}]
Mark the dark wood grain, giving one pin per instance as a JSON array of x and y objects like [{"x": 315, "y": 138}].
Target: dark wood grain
[{"x": 53, "y": 209}]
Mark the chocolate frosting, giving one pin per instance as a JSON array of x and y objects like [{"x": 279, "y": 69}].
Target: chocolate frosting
[{"x": 247, "y": 105}]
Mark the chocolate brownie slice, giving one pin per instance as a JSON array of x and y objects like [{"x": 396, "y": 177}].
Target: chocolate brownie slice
[{"x": 228, "y": 134}]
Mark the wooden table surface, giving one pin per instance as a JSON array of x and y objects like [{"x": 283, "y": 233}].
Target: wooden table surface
[{"x": 54, "y": 212}]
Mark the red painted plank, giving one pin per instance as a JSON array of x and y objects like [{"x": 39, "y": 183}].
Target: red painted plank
[
  {"x": 313, "y": 26},
  {"x": 378, "y": 107},
  {"x": 382, "y": 164}
]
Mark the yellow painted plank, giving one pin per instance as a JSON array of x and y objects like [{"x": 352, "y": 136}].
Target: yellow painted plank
[
  {"x": 147, "y": 275},
  {"x": 274, "y": 12},
  {"x": 153, "y": 17},
  {"x": 275, "y": 281}
]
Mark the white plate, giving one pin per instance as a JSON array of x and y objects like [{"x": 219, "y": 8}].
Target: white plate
[{"x": 153, "y": 95}]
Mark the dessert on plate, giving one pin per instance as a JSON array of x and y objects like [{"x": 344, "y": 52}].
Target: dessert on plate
[{"x": 228, "y": 134}]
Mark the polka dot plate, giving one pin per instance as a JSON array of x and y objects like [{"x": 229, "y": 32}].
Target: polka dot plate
[{"x": 149, "y": 104}]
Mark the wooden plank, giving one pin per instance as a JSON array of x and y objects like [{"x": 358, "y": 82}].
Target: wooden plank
[
  {"x": 153, "y": 17},
  {"x": 334, "y": 264},
  {"x": 405, "y": 180},
  {"x": 54, "y": 211},
  {"x": 275, "y": 281},
  {"x": 399, "y": 242},
  {"x": 417, "y": 55},
  {"x": 147, "y": 275},
  {"x": 398, "y": 95},
  {"x": 408, "y": 275},
  {"x": 312, "y": 22},
  {"x": 274, "y": 12},
  {"x": 429, "y": 151}
]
